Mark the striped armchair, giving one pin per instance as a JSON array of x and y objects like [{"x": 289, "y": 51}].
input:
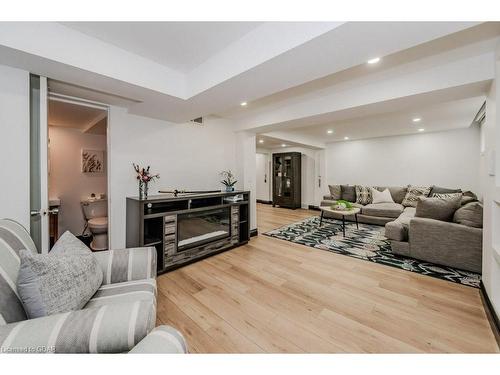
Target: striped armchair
[{"x": 120, "y": 317}]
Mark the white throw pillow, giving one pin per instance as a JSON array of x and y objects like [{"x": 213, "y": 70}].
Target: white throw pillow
[{"x": 381, "y": 196}]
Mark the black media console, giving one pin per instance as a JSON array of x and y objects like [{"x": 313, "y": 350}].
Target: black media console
[{"x": 187, "y": 227}]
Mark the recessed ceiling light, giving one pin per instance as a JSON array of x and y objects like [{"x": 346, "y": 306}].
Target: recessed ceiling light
[
  {"x": 329, "y": 131},
  {"x": 346, "y": 138},
  {"x": 261, "y": 141},
  {"x": 374, "y": 60},
  {"x": 283, "y": 145},
  {"x": 417, "y": 119},
  {"x": 421, "y": 129},
  {"x": 243, "y": 104}
]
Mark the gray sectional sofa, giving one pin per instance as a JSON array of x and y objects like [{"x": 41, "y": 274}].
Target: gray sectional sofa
[{"x": 447, "y": 243}]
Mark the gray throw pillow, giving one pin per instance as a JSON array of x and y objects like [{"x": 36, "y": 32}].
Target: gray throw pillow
[
  {"x": 412, "y": 195},
  {"x": 348, "y": 193},
  {"x": 467, "y": 199},
  {"x": 437, "y": 208},
  {"x": 471, "y": 215},
  {"x": 69, "y": 244},
  {"x": 50, "y": 284},
  {"x": 441, "y": 190},
  {"x": 335, "y": 192}
]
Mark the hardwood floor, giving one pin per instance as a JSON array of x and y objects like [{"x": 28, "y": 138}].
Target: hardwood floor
[{"x": 275, "y": 296}]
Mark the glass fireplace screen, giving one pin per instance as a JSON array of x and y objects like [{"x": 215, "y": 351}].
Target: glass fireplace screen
[{"x": 197, "y": 228}]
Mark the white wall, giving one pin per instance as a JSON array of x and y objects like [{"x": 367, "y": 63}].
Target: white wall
[
  {"x": 491, "y": 190},
  {"x": 187, "y": 156},
  {"x": 66, "y": 181},
  {"x": 448, "y": 159},
  {"x": 14, "y": 145}
]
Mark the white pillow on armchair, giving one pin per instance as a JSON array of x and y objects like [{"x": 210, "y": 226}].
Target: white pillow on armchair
[{"x": 381, "y": 196}]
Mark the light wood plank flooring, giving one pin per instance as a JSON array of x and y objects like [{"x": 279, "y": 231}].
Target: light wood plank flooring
[{"x": 275, "y": 296}]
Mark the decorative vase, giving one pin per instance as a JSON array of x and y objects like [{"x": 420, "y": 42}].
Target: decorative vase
[
  {"x": 229, "y": 189},
  {"x": 143, "y": 190}
]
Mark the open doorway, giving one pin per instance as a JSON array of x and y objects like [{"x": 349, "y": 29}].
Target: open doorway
[{"x": 77, "y": 170}]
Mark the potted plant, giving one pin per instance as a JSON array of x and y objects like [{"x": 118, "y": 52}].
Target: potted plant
[
  {"x": 228, "y": 180},
  {"x": 144, "y": 176}
]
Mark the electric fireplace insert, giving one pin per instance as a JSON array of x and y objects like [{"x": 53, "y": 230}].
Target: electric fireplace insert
[{"x": 197, "y": 228}]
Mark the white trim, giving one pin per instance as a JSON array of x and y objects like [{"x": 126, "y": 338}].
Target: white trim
[
  {"x": 12, "y": 335},
  {"x": 2, "y": 320},
  {"x": 57, "y": 328},
  {"x": 94, "y": 333},
  {"x": 131, "y": 325}
]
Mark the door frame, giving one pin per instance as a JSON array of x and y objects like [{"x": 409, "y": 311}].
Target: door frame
[{"x": 99, "y": 105}]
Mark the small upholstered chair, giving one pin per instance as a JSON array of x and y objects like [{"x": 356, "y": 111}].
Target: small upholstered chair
[{"x": 119, "y": 318}]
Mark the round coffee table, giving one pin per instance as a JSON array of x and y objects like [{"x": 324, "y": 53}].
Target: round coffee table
[{"x": 352, "y": 211}]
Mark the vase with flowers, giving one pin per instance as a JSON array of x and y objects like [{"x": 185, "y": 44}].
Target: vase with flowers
[
  {"x": 144, "y": 176},
  {"x": 228, "y": 180}
]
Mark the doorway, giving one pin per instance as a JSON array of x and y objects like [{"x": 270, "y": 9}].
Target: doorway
[
  {"x": 263, "y": 168},
  {"x": 77, "y": 170},
  {"x": 68, "y": 167}
]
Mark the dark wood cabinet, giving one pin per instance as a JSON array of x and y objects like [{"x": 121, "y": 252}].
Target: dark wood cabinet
[
  {"x": 287, "y": 179},
  {"x": 188, "y": 227}
]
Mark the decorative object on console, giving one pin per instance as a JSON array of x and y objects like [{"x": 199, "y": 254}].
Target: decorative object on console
[
  {"x": 144, "y": 176},
  {"x": 92, "y": 161},
  {"x": 363, "y": 194},
  {"x": 176, "y": 192},
  {"x": 413, "y": 193},
  {"x": 381, "y": 196},
  {"x": 228, "y": 180}
]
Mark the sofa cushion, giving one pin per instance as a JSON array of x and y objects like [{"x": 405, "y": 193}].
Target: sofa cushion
[
  {"x": 440, "y": 190},
  {"x": 413, "y": 193},
  {"x": 363, "y": 194},
  {"x": 398, "y": 229},
  {"x": 50, "y": 284},
  {"x": 381, "y": 196},
  {"x": 125, "y": 292},
  {"x": 335, "y": 192},
  {"x": 437, "y": 208},
  {"x": 382, "y": 209},
  {"x": 471, "y": 215},
  {"x": 348, "y": 193},
  {"x": 398, "y": 193}
]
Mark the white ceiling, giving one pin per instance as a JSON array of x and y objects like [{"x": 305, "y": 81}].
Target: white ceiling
[
  {"x": 74, "y": 116},
  {"x": 438, "y": 117},
  {"x": 298, "y": 78},
  {"x": 181, "y": 46}
]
